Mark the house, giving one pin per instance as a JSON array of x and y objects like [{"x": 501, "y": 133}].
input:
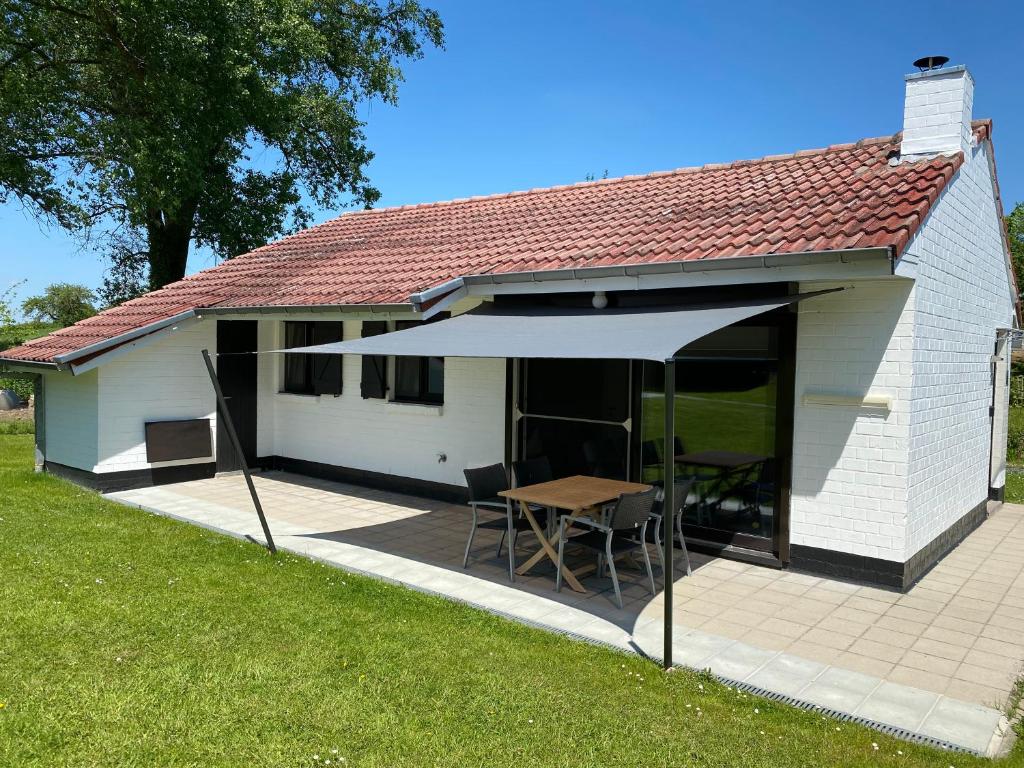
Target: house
[{"x": 864, "y": 427}]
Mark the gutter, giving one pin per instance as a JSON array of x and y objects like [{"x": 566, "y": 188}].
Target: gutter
[
  {"x": 121, "y": 338},
  {"x": 767, "y": 261},
  {"x": 39, "y": 366},
  {"x": 273, "y": 309}
]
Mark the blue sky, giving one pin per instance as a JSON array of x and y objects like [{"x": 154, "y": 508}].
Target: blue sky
[{"x": 531, "y": 94}]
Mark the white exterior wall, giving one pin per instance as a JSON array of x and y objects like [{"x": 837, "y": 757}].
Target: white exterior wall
[
  {"x": 850, "y": 463},
  {"x": 70, "y": 407},
  {"x": 379, "y": 436},
  {"x": 163, "y": 380},
  {"x": 963, "y": 296}
]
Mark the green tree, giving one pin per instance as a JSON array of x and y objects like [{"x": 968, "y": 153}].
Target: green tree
[
  {"x": 148, "y": 126},
  {"x": 62, "y": 303},
  {"x": 1015, "y": 230}
]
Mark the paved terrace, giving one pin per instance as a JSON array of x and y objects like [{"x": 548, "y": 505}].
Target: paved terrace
[{"x": 939, "y": 661}]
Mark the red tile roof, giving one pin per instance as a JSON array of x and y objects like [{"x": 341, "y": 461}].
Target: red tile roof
[{"x": 844, "y": 196}]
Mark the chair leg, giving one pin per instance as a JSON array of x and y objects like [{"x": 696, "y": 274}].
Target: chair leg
[
  {"x": 561, "y": 554},
  {"x": 682, "y": 543},
  {"x": 472, "y": 532},
  {"x": 501, "y": 542},
  {"x": 647, "y": 558},
  {"x": 611, "y": 570},
  {"x": 659, "y": 550},
  {"x": 511, "y": 548}
]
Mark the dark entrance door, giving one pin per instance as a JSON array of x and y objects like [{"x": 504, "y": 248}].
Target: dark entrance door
[{"x": 237, "y": 374}]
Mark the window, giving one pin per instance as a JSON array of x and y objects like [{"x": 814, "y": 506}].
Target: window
[
  {"x": 418, "y": 379},
  {"x": 311, "y": 374},
  {"x": 374, "y": 383}
]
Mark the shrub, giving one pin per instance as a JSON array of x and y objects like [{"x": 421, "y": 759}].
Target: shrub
[
  {"x": 1015, "y": 437},
  {"x": 21, "y": 385},
  {"x": 1016, "y": 391}
]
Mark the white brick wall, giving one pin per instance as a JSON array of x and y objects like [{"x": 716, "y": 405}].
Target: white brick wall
[
  {"x": 392, "y": 438},
  {"x": 850, "y": 463},
  {"x": 885, "y": 484},
  {"x": 162, "y": 380},
  {"x": 963, "y": 297},
  {"x": 70, "y": 408}
]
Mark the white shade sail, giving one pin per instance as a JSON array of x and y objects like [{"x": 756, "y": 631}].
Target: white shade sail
[{"x": 631, "y": 333}]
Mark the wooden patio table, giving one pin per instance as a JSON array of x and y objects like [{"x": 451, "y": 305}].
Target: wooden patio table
[{"x": 571, "y": 494}]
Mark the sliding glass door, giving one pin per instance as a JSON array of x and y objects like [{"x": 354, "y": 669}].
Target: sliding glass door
[{"x": 731, "y": 426}]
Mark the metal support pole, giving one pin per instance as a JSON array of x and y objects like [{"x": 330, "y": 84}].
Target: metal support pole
[
  {"x": 668, "y": 535},
  {"x": 222, "y": 408}
]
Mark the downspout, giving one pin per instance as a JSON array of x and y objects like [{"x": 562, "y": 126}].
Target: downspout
[{"x": 39, "y": 415}]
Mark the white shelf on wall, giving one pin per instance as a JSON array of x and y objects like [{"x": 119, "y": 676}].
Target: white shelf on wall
[{"x": 874, "y": 402}]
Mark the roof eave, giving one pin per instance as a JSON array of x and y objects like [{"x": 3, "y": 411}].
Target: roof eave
[{"x": 760, "y": 261}]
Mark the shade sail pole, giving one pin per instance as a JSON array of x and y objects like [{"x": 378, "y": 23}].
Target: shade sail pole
[
  {"x": 229, "y": 425},
  {"x": 668, "y": 506}
]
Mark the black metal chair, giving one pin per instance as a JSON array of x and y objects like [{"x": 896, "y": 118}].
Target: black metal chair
[
  {"x": 651, "y": 465},
  {"x": 604, "y": 458},
  {"x": 485, "y": 483},
  {"x": 680, "y": 499},
  {"x": 532, "y": 471},
  {"x": 621, "y": 535}
]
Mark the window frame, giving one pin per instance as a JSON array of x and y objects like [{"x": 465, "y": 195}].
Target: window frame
[{"x": 308, "y": 364}]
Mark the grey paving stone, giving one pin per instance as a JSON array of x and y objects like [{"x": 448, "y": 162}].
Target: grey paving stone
[
  {"x": 739, "y": 660},
  {"x": 898, "y": 705},
  {"x": 786, "y": 674},
  {"x": 969, "y": 725},
  {"x": 839, "y": 689}
]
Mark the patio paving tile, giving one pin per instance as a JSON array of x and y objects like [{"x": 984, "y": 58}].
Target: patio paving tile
[
  {"x": 786, "y": 674},
  {"x": 898, "y": 705},
  {"x": 840, "y": 689},
  {"x": 940, "y": 649},
  {"x": 930, "y": 664},
  {"x": 739, "y": 661},
  {"x": 961, "y": 723}
]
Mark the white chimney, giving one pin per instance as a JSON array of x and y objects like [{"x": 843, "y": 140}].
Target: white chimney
[{"x": 937, "y": 111}]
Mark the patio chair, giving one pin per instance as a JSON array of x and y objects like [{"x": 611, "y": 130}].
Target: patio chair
[
  {"x": 620, "y": 536},
  {"x": 651, "y": 465},
  {"x": 604, "y": 458},
  {"x": 681, "y": 498},
  {"x": 485, "y": 483},
  {"x": 532, "y": 471},
  {"x": 732, "y": 493}
]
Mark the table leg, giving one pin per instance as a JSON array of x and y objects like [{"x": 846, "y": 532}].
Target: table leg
[{"x": 546, "y": 548}]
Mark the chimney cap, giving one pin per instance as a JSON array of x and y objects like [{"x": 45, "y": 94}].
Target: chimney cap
[{"x": 931, "y": 62}]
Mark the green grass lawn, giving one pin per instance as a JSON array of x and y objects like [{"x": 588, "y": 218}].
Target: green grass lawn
[{"x": 131, "y": 640}]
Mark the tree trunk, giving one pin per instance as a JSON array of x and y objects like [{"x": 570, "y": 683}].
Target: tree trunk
[{"x": 169, "y": 235}]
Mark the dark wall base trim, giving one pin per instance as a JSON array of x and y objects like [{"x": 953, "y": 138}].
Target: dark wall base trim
[
  {"x": 107, "y": 482},
  {"x": 887, "y": 573},
  {"x": 997, "y": 494},
  {"x": 843, "y": 565},
  {"x": 926, "y": 557},
  {"x": 382, "y": 481}
]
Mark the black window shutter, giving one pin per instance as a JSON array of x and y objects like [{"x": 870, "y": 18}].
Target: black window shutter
[
  {"x": 375, "y": 367},
  {"x": 326, "y": 368}
]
